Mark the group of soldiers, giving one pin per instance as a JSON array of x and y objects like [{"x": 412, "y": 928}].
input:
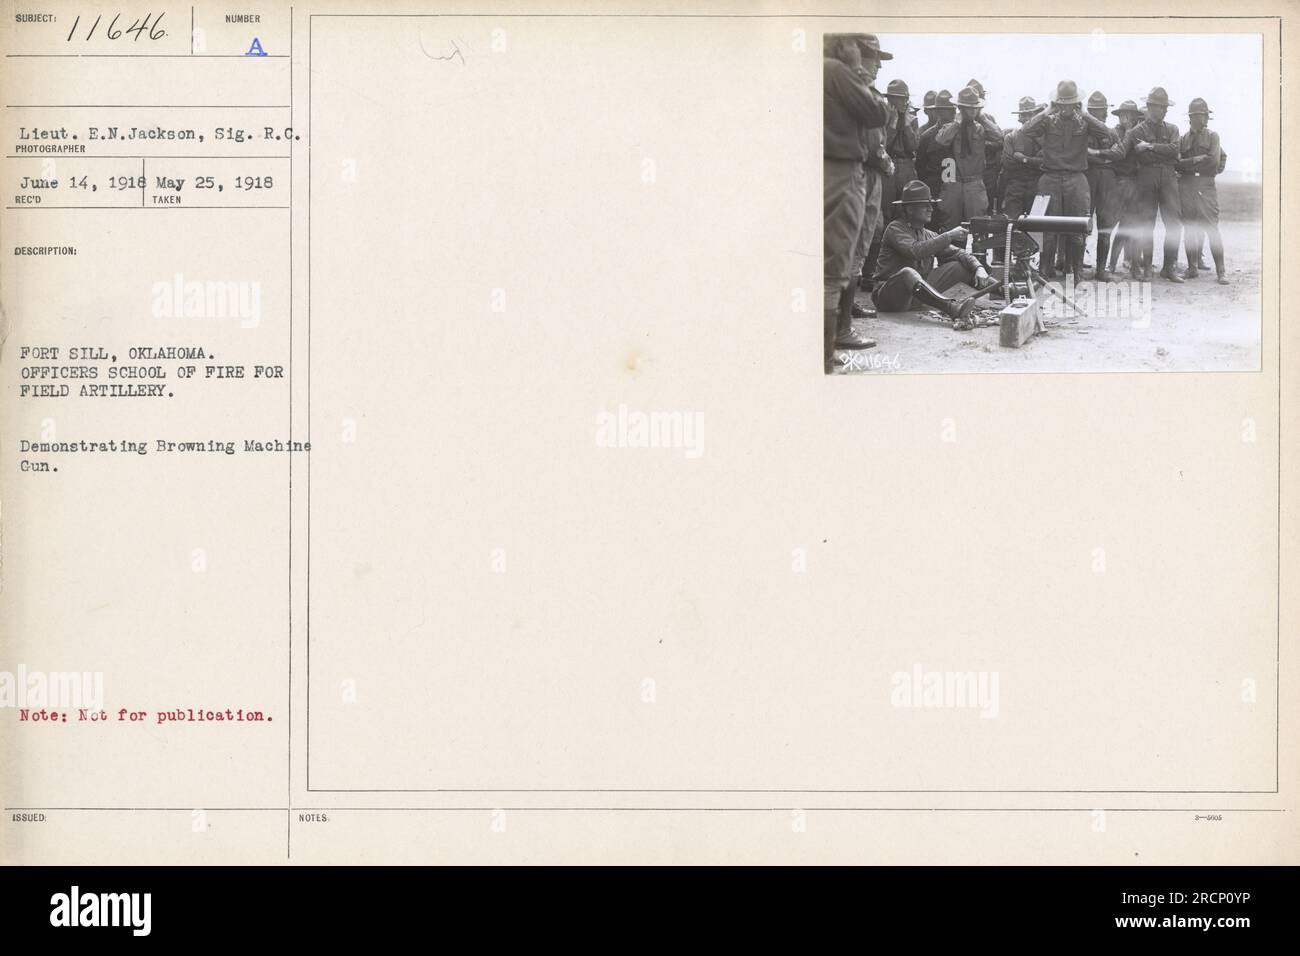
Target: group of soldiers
[{"x": 886, "y": 232}]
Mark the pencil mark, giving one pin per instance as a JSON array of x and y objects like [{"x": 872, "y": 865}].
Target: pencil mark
[{"x": 455, "y": 52}]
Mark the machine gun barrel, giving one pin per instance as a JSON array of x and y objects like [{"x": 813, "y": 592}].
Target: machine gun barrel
[{"x": 992, "y": 225}]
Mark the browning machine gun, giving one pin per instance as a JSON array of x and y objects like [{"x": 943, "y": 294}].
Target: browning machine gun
[{"x": 1013, "y": 247}]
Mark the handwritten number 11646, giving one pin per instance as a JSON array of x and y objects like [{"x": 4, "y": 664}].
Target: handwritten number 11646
[{"x": 114, "y": 32}]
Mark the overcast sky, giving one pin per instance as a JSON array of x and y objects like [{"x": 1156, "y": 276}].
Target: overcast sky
[{"x": 1223, "y": 69}]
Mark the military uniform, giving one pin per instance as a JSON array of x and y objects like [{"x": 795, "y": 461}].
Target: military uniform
[
  {"x": 1199, "y": 158},
  {"x": 917, "y": 264},
  {"x": 1125, "y": 171},
  {"x": 941, "y": 264},
  {"x": 963, "y": 193},
  {"x": 993, "y": 172},
  {"x": 901, "y": 140},
  {"x": 1063, "y": 146},
  {"x": 879, "y": 170},
  {"x": 1157, "y": 186},
  {"x": 1021, "y": 167},
  {"x": 930, "y": 154},
  {"x": 849, "y": 109},
  {"x": 1103, "y": 193}
]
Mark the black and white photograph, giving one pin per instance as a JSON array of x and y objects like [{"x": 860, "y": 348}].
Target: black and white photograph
[{"x": 1084, "y": 202}]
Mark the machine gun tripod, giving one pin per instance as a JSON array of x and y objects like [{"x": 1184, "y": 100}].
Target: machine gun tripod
[{"x": 1014, "y": 248}]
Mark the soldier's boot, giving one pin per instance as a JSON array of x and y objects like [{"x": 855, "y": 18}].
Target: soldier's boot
[
  {"x": 1221, "y": 271},
  {"x": 1193, "y": 254},
  {"x": 1133, "y": 259},
  {"x": 1075, "y": 257},
  {"x": 1116, "y": 248},
  {"x": 869, "y": 267},
  {"x": 1119, "y": 247},
  {"x": 1103, "y": 250},
  {"x": 845, "y": 337},
  {"x": 1144, "y": 263},
  {"x": 1173, "y": 247},
  {"x": 829, "y": 319},
  {"x": 959, "y": 309}
]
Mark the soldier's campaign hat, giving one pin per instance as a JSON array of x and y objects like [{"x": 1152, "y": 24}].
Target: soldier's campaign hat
[
  {"x": 1198, "y": 105},
  {"x": 870, "y": 45},
  {"x": 1027, "y": 106},
  {"x": 1097, "y": 101},
  {"x": 928, "y": 101},
  {"x": 915, "y": 193},
  {"x": 943, "y": 101},
  {"x": 897, "y": 88},
  {"x": 1128, "y": 106},
  {"x": 1158, "y": 97},
  {"x": 867, "y": 43},
  {"x": 968, "y": 97},
  {"x": 977, "y": 86},
  {"x": 1067, "y": 91}
]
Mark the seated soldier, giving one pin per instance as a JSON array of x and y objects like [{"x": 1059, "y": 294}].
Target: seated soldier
[{"x": 907, "y": 271}]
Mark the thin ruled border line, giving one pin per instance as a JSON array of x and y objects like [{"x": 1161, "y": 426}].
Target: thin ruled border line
[
  {"x": 147, "y": 207},
  {"x": 80, "y": 158},
  {"x": 1207, "y": 793},
  {"x": 153, "y": 56},
  {"x": 649, "y": 809},
  {"x": 146, "y": 106},
  {"x": 311, "y": 136},
  {"x": 288, "y": 769},
  {"x": 778, "y": 809},
  {"x": 1082, "y": 19}
]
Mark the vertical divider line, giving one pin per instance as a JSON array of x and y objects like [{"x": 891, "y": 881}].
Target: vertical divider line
[{"x": 288, "y": 816}]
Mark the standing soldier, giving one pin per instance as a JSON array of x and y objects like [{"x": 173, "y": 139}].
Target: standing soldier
[
  {"x": 899, "y": 141},
  {"x": 901, "y": 138},
  {"x": 927, "y": 105},
  {"x": 1154, "y": 143},
  {"x": 929, "y": 154},
  {"x": 964, "y": 194},
  {"x": 1021, "y": 165},
  {"x": 1103, "y": 193},
  {"x": 849, "y": 109},
  {"x": 1125, "y": 170},
  {"x": 879, "y": 169},
  {"x": 1062, "y": 129},
  {"x": 1201, "y": 157},
  {"x": 993, "y": 172}
]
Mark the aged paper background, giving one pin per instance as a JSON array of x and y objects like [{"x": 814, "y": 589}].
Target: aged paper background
[{"x": 483, "y": 637}]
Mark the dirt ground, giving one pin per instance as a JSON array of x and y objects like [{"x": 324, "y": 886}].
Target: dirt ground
[{"x": 1196, "y": 326}]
